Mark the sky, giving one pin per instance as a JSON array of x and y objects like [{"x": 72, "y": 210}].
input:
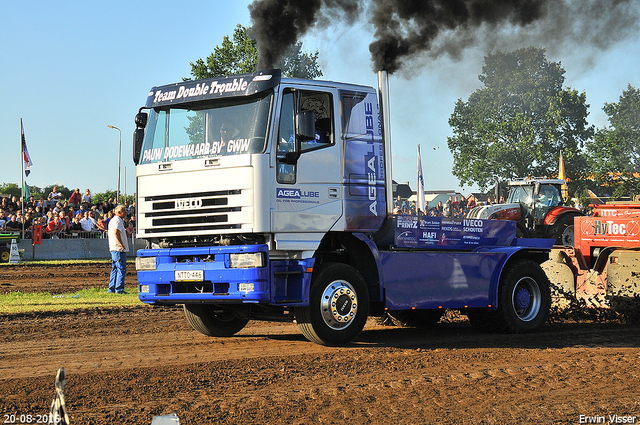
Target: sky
[{"x": 69, "y": 69}]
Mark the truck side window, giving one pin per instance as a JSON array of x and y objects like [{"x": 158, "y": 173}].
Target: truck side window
[
  {"x": 286, "y": 139},
  {"x": 320, "y": 103}
]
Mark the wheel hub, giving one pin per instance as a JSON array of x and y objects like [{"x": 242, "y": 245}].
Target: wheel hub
[
  {"x": 526, "y": 299},
  {"x": 339, "y": 305},
  {"x": 523, "y": 299}
]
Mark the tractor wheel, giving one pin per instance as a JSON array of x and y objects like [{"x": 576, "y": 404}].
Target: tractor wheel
[
  {"x": 521, "y": 232},
  {"x": 568, "y": 237},
  {"x": 213, "y": 321},
  {"x": 559, "y": 228},
  {"x": 338, "y": 305}
]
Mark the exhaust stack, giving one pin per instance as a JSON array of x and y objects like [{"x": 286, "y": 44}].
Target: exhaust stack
[{"x": 383, "y": 95}]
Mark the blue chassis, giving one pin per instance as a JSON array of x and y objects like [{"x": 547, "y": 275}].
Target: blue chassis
[{"x": 420, "y": 279}]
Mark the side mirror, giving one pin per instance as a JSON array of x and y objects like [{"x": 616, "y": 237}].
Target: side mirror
[
  {"x": 305, "y": 126},
  {"x": 138, "y": 138},
  {"x": 141, "y": 119},
  {"x": 138, "y": 135},
  {"x": 536, "y": 188}
]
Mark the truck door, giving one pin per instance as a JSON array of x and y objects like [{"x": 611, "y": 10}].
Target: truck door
[{"x": 308, "y": 196}]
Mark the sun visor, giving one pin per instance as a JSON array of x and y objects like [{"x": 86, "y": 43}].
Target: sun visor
[{"x": 213, "y": 88}]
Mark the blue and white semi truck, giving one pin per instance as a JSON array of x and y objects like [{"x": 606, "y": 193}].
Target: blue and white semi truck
[{"x": 269, "y": 198}]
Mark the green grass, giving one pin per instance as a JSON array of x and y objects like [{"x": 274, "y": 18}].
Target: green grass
[
  {"x": 66, "y": 262},
  {"x": 17, "y": 302}
]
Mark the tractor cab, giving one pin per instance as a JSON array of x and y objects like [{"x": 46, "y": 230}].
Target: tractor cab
[{"x": 536, "y": 197}]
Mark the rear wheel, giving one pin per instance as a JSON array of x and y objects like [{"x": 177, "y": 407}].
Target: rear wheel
[
  {"x": 338, "y": 305},
  {"x": 524, "y": 298},
  {"x": 213, "y": 321}
]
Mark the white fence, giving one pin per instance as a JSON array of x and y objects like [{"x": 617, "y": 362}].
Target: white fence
[{"x": 73, "y": 249}]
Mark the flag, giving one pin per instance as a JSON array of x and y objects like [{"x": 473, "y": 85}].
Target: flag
[
  {"x": 25, "y": 153},
  {"x": 420, "y": 203},
  {"x": 25, "y": 192},
  {"x": 561, "y": 175}
]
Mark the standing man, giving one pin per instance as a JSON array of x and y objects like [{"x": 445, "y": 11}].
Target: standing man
[{"x": 119, "y": 247}]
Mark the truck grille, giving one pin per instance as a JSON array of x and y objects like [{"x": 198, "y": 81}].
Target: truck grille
[{"x": 186, "y": 213}]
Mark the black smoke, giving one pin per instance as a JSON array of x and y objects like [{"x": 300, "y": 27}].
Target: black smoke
[
  {"x": 404, "y": 29},
  {"x": 278, "y": 24},
  {"x": 408, "y": 29}
]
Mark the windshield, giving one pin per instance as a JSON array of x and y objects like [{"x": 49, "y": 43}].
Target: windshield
[
  {"x": 521, "y": 194},
  {"x": 229, "y": 127}
]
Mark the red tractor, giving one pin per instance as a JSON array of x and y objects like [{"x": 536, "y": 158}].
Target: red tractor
[{"x": 536, "y": 204}]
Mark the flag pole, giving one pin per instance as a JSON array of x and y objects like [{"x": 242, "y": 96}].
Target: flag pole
[
  {"x": 22, "y": 174},
  {"x": 421, "y": 204}
]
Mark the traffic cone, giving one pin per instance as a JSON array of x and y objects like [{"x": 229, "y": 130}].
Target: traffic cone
[{"x": 14, "y": 258}]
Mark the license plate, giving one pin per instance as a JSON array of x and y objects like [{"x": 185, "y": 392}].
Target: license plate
[{"x": 189, "y": 275}]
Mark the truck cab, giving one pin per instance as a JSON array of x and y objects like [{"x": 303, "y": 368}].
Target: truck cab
[{"x": 258, "y": 158}]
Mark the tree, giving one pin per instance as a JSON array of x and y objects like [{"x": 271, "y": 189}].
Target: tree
[
  {"x": 239, "y": 55},
  {"x": 614, "y": 152},
  {"x": 11, "y": 189},
  {"x": 517, "y": 124},
  {"x": 66, "y": 192}
]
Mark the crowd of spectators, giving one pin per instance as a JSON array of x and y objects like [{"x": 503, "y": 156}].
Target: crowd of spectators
[
  {"x": 455, "y": 207},
  {"x": 76, "y": 217}
]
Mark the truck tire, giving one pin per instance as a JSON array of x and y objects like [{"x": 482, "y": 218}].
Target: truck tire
[
  {"x": 213, "y": 321},
  {"x": 415, "y": 318},
  {"x": 524, "y": 298},
  {"x": 338, "y": 305},
  {"x": 5, "y": 254}
]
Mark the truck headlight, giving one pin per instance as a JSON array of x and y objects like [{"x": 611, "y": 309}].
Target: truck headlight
[
  {"x": 246, "y": 260},
  {"x": 145, "y": 263}
]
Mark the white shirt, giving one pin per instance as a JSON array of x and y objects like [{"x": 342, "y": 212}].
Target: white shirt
[
  {"x": 87, "y": 224},
  {"x": 117, "y": 225}
]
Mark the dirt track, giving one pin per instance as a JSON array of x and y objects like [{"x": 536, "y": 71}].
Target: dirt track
[{"x": 128, "y": 365}]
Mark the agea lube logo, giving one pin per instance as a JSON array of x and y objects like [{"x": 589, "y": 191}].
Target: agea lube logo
[
  {"x": 296, "y": 195},
  {"x": 371, "y": 179}
]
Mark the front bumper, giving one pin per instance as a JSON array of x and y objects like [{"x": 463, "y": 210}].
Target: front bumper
[
  {"x": 205, "y": 275},
  {"x": 210, "y": 279}
]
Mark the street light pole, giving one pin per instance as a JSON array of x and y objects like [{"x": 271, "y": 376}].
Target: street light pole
[{"x": 119, "y": 162}]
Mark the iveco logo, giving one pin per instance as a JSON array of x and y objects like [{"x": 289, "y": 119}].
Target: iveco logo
[{"x": 188, "y": 203}]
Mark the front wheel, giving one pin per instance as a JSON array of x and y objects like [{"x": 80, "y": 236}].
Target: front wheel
[
  {"x": 213, "y": 321},
  {"x": 338, "y": 305},
  {"x": 524, "y": 298},
  {"x": 563, "y": 226}
]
